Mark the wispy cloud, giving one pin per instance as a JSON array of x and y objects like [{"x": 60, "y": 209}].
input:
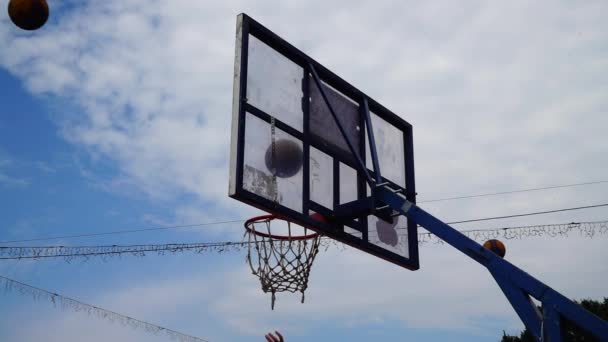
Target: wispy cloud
[
  {"x": 13, "y": 181},
  {"x": 7, "y": 179},
  {"x": 502, "y": 96}
]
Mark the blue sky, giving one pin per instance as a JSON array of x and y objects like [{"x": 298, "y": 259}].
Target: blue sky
[
  {"x": 116, "y": 115},
  {"x": 49, "y": 180}
]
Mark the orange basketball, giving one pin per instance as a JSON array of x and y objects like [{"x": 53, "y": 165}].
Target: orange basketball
[
  {"x": 28, "y": 14},
  {"x": 496, "y": 246},
  {"x": 318, "y": 217}
]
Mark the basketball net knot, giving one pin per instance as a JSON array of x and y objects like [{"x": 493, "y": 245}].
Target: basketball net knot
[{"x": 282, "y": 263}]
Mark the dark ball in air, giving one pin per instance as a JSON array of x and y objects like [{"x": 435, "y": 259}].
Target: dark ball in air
[
  {"x": 496, "y": 246},
  {"x": 28, "y": 14},
  {"x": 285, "y": 160}
]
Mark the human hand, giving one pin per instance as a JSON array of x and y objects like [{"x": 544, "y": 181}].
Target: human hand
[{"x": 272, "y": 338}]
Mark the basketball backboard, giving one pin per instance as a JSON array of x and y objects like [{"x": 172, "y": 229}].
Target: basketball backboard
[{"x": 289, "y": 157}]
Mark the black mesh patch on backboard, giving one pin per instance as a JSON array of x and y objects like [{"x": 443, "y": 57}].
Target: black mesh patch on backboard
[{"x": 323, "y": 127}]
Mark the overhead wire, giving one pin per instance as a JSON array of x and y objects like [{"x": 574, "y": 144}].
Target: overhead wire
[
  {"x": 124, "y": 231},
  {"x": 512, "y": 191},
  {"x": 129, "y": 231},
  {"x": 529, "y": 214},
  {"x": 237, "y": 221}
]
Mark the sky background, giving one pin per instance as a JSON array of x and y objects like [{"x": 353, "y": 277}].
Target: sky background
[{"x": 116, "y": 115}]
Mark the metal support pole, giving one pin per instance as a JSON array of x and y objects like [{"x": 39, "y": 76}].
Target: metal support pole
[
  {"x": 516, "y": 284},
  {"x": 372, "y": 141},
  {"x": 552, "y": 327},
  {"x": 523, "y": 305}
]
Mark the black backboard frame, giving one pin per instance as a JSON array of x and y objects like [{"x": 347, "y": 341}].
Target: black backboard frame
[{"x": 247, "y": 26}]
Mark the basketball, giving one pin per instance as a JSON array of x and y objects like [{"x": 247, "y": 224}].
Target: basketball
[
  {"x": 28, "y": 14},
  {"x": 387, "y": 232},
  {"x": 318, "y": 217},
  {"x": 285, "y": 160},
  {"x": 496, "y": 246}
]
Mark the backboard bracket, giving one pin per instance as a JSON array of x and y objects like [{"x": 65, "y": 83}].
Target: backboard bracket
[{"x": 366, "y": 206}]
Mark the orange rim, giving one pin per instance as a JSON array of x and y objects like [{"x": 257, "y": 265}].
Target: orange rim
[{"x": 269, "y": 217}]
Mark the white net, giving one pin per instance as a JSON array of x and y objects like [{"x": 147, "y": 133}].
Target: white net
[{"x": 282, "y": 263}]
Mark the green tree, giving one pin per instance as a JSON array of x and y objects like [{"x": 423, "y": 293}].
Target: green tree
[{"x": 572, "y": 333}]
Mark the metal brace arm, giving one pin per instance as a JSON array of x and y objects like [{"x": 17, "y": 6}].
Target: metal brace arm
[{"x": 517, "y": 285}]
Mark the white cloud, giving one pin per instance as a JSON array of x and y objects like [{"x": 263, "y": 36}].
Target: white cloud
[
  {"x": 154, "y": 84},
  {"x": 7, "y": 179},
  {"x": 501, "y": 96}
]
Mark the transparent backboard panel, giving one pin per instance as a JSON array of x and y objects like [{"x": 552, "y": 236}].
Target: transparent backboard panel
[
  {"x": 274, "y": 84},
  {"x": 348, "y": 192},
  {"x": 321, "y": 178},
  {"x": 348, "y": 184},
  {"x": 390, "y": 149},
  {"x": 289, "y": 158},
  {"x": 389, "y": 236},
  {"x": 257, "y": 178}
]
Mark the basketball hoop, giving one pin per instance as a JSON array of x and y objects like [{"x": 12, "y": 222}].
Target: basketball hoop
[{"x": 282, "y": 262}]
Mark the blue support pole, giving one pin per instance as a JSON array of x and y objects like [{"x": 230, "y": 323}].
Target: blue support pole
[
  {"x": 523, "y": 305},
  {"x": 552, "y": 327},
  {"x": 516, "y": 284}
]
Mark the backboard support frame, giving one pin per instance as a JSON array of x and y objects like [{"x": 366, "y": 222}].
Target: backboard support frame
[{"x": 518, "y": 286}]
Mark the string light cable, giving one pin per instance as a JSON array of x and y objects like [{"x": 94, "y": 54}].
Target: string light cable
[
  {"x": 582, "y": 229},
  {"x": 65, "y": 303}
]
